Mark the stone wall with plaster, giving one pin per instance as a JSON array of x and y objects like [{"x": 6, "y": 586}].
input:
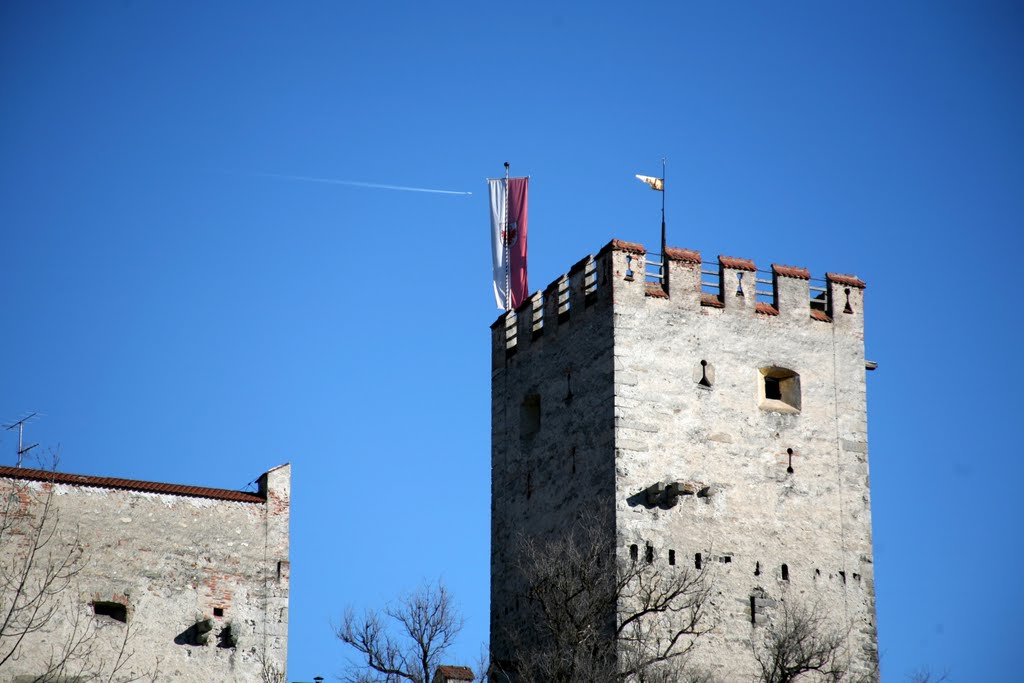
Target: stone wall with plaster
[{"x": 198, "y": 579}]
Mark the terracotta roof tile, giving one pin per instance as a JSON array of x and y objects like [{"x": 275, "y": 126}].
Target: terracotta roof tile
[
  {"x": 129, "y": 484},
  {"x": 766, "y": 309},
  {"x": 791, "y": 271},
  {"x": 710, "y": 300},
  {"x": 455, "y": 673},
  {"x": 850, "y": 280},
  {"x": 687, "y": 255},
  {"x": 820, "y": 315},
  {"x": 736, "y": 263},
  {"x": 655, "y": 289},
  {"x": 620, "y": 245}
]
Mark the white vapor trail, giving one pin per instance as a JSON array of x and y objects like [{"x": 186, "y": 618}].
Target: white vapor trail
[{"x": 356, "y": 183}]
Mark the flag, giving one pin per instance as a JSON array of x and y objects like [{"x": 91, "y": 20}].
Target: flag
[
  {"x": 655, "y": 183},
  {"x": 508, "y": 240}
]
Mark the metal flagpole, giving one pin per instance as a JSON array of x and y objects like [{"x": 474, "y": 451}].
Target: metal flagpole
[
  {"x": 504, "y": 239},
  {"x": 664, "y": 259}
]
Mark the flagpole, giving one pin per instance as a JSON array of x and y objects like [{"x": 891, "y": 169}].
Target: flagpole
[
  {"x": 664, "y": 258},
  {"x": 504, "y": 239}
]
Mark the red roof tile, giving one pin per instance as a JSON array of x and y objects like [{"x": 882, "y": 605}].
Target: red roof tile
[
  {"x": 455, "y": 673},
  {"x": 791, "y": 271},
  {"x": 620, "y": 245},
  {"x": 736, "y": 263},
  {"x": 850, "y": 280},
  {"x": 766, "y": 309},
  {"x": 710, "y": 300},
  {"x": 687, "y": 255},
  {"x": 128, "y": 484},
  {"x": 820, "y": 315},
  {"x": 655, "y": 289}
]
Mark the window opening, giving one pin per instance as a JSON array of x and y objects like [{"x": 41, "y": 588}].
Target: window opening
[
  {"x": 218, "y": 611},
  {"x": 757, "y": 569},
  {"x": 649, "y": 554},
  {"x": 634, "y": 552},
  {"x": 529, "y": 416},
  {"x": 789, "y": 469},
  {"x": 672, "y": 557},
  {"x": 114, "y": 610},
  {"x": 697, "y": 561},
  {"x": 848, "y": 308},
  {"x": 785, "y": 572},
  {"x": 780, "y": 390},
  {"x": 739, "y": 284}
]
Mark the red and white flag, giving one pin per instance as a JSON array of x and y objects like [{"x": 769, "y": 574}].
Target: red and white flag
[{"x": 508, "y": 240}]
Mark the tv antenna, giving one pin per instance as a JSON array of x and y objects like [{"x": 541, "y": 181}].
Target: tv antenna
[{"x": 20, "y": 424}]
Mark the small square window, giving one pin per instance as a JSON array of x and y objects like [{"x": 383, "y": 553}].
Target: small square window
[
  {"x": 779, "y": 390},
  {"x": 113, "y": 610}
]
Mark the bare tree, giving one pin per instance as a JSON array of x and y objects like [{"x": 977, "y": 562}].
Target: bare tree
[
  {"x": 40, "y": 561},
  {"x": 404, "y": 642},
  {"x": 801, "y": 644},
  {"x": 928, "y": 676},
  {"x": 595, "y": 617}
]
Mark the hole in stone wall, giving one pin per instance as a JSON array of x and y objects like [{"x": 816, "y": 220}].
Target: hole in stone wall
[
  {"x": 629, "y": 267},
  {"x": 753, "y": 610},
  {"x": 672, "y": 557},
  {"x": 843, "y": 575},
  {"x": 574, "y": 460},
  {"x": 114, "y": 610},
  {"x": 529, "y": 416},
  {"x": 218, "y": 611},
  {"x": 726, "y": 559},
  {"x": 634, "y": 552},
  {"x": 789, "y": 469},
  {"x": 780, "y": 389},
  {"x": 649, "y": 554},
  {"x": 757, "y": 569},
  {"x": 704, "y": 381},
  {"x": 698, "y": 562},
  {"x": 848, "y": 308},
  {"x": 739, "y": 284},
  {"x": 785, "y": 572}
]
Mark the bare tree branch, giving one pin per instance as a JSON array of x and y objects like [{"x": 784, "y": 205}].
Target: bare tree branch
[
  {"x": 801, "y": 641},
  {"x": 406, "y": 641},
  {"x": 592, "y": 616}
]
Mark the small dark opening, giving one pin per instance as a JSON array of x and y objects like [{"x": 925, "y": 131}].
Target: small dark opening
[
  {"x": 753, "y": 610},
  {"x": 218, "y": 611},
  {"x": 114, "y": 610},
  {"x": 697, "y": 561},
  {"x": 704, "y": 382},
  {"x": 772, "y": 389},
  {"x": 649, "y": 554},
  {"x": 672, "y": 557},
  {"x": 727, "y": 559},
  {"x": 634, "y": 552},
  {"x": 757, "y": 569},
  {"x": 785, "y": 572},
  {"x": 789, "y": 469},
  {"x": 843, "y": 575}
]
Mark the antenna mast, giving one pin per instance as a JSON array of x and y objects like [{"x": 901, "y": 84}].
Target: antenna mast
[{"x": 20, "y": 424}]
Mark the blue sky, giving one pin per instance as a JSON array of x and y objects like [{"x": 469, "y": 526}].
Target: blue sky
[{"x": 178, "y": 315}]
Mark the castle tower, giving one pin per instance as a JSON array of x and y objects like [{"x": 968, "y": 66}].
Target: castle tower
[{"x": 716, "y": 420}]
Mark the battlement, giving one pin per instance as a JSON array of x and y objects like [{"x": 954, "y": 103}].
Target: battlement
[{"x": 625, "y": 274}]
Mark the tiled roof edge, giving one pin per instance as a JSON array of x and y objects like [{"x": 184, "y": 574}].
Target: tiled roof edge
[{"x": 129, "y": 485}]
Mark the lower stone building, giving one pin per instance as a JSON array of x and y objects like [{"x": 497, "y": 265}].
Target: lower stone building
[{"x": 122, "y": 580}]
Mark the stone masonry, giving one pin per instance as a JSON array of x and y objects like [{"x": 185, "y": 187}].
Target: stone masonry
[
  {"x": 717, "y": 424},
  {"x": 197, "y": 578}
]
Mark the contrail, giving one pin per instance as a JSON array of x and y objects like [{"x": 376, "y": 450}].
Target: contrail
[{"x": 356, "y": 183}]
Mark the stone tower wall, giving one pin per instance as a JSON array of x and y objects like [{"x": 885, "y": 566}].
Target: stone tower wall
[{"x": 645, "y": 413}]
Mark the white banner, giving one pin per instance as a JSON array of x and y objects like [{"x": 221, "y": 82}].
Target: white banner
[{"x": 499, "y": 216}]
